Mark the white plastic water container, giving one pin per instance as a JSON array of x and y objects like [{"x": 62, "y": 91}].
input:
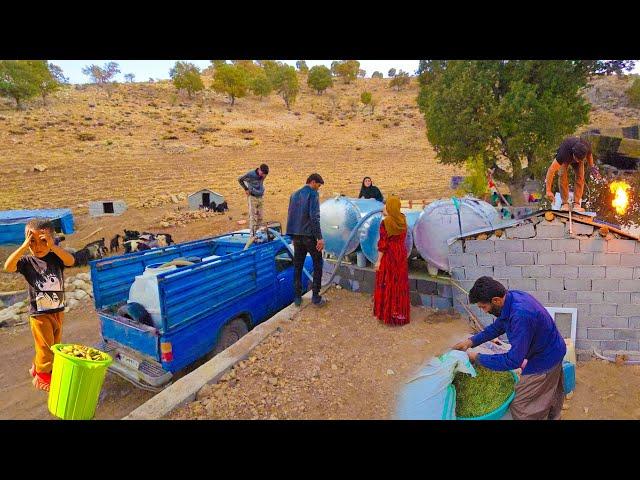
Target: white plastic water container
[{"x": 144, "y": 291}]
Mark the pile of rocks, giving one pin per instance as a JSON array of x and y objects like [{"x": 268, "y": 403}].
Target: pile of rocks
[
  {"x": 78, "y": 290},
  {"x": 180, "y": 219},
  {"x": 163, "y": 199}
]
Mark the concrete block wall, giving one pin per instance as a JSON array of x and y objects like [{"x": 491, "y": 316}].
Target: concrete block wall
[
  {"x": 429, "y": 293},
  {"x": 598, "y": 276}
]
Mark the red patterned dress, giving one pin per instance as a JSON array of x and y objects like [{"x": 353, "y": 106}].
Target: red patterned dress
[{"x": 391, "y": 301}]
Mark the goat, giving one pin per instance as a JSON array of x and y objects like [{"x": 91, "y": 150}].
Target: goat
[
  {"x": 135, "y": 246},
  {"x": 114, "y": 245},
  {"x": 222, "y": 207},
  {"x": 82, "y": 257},
  {"x": 131, "y": 235}
]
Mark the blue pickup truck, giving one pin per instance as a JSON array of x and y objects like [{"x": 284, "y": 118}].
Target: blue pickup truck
[{"x": 204, "y": 307}]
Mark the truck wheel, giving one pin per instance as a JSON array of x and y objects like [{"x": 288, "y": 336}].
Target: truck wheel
[{"x": 230, "y": 334}]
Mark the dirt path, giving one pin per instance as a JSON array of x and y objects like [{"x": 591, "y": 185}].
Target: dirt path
[
  {"x": 18, "y": 398},
  {"x": 335, "y": 363}
]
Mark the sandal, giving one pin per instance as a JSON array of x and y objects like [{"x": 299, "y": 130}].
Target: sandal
[{"x": 564, "y": 207}]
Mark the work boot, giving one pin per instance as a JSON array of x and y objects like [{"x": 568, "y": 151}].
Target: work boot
[
  {"x": 42, "y": 381},
  {"x": 577, "y": 208},
  {"x": 320, "y": 302},
  {"x": 297, "y": 301}
]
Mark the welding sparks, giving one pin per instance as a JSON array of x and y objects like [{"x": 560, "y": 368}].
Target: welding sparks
[{"x": 621, "y": 199}]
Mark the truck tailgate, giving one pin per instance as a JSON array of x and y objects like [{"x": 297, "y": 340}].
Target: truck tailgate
[{"x": 136, "y": 336}]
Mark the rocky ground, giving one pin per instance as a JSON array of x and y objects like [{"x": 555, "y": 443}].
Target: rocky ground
[{"x": 338, "y": 362}]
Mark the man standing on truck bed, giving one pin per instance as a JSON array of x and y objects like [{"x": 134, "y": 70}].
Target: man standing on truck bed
[
  {"x": 303, "y": 225},
  {"x": 253, "y": 184}
]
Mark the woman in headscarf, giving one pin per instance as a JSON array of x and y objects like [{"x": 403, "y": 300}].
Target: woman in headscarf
[
  {"x": 368, "y": 190},
  {"x": 391, "y": 301}
]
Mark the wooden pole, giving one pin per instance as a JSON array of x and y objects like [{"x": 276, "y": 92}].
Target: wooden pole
[{"x": 91, "y": 234}]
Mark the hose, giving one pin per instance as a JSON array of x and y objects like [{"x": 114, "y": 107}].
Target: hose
[
  {"x": 279, "y": 237},
  {"x": 613, "y": 360}
]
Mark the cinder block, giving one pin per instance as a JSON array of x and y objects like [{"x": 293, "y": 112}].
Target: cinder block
[
  {"x": 635, "y": 298},
  {"x": 521, "y": 231},
  {"x": 582, "y": 229},
  {"x": 457, "y": 273},
  {"x": 345, "y": 283},
  {"x": 577, "y": 284},
  {"x": 617, "y": 297},
  {"x": 521, "y": 258},
  {"x": 507, "y": 272},
  {"x": 445, "y": 290},
  {"x": 636, "y": 273},
  {"x": 595, "y": 245},
  {"x": 581, "y": 333},
  {"x": 587, "y": 344},
  {"x": 427, "y": 300},
  {"x": 627, "y": 334},
  {"x": 629, "y": 285},
  {"x": 590, "y": 297},
  {"x": 463, "y": 260},
  {"x": 637, "y": 247},
  {"x": 589, "y": 321},
  {"x": 541, "y": 296},
  {"x": 549, "y": 284},
  {"x": 562, "y": 296},
  {"x": 545, "y": 230},
  {"x": 629, "y": 259},
  {"x": 600, "y": 334},
  {"x": 593, "y": 271},
  {"x": 426, "y": 286},
  {"x": 412, "y": 285},
  {"x": 535, "y": 271},
  {"x": 620, "y": 273},
  {"x": 633, "y": 345},
  {"x": 613, "y": 345},
  {"x": 619, "y": 245},
  {"x": 606, "y": 259},
  {"x": 634, "y": 322},
  {"x": 526, "y": 284},
  {"x": 565, "y": 245},
  {"x": 416, "y": 301},
  {"x": 566, "y": 271},
  {"x": 441, "y": 302},
  {"x": 473, "y": 273},
  {"x": 615, "y": 322},
  {"x": 537, "y": 245},
  {"x": 552, "y": 258},
  {"x": 479, "y": 246},
  {"x": 456, "y": 247},
  {"x": 602, "y": 284},
  {"x": 584, "y": 355},
  {"x": 579, "y": 258},
  {"x": 509, "y": 245},
  {"x": 491, "y": 259},
  {"x": 627, "y": 310},
  {"x": 605, "y": 309}
]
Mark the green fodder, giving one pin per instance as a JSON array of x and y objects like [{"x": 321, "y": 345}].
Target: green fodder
[{"x": 483, "y": 394}]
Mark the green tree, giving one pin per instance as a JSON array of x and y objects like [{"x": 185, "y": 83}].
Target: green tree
[
  {"x": 377, "y": 74},
  {"x": 346, "y": 69},
  {"x": 391, "y": 73},
  {"x": 129, "y": 77},
  {"x": 52, "y": 79},
  {"x": 186, "y": 76},
  {"x": 634, "y": 93},
  {"x": 21, "y": 79},
  {"x": 475, "y": 182},
  {"x": 400, "y": 80},
  {"x": 301, "y": 65},
  {"x": 512, "y": 114},
  {"x": 217, "y": 63},
  {"x": 367, "y": 100},
  {"x": 286, "y": 84},
  {"x": 319, "y": 78},
  {"x": 260, "y": 85},
  {"x": 362, "y": 73},
  {"x": 232, "y": 80}
]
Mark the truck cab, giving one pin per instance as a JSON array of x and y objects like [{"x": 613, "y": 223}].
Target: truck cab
[{"x": 203, "y": 307}]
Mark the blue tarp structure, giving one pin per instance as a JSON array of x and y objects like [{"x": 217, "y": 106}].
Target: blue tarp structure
[{"x": 12, "y": 222}]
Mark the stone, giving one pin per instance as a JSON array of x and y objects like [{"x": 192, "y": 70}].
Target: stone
[
  {"x": 72, "y": 303},
  {"x": 241, "y": 222},
  {"x": 39, "y": 168},
  {"x": 174, "y": 199},
  {"x": 390, "y": 372},
  {"x": 164, "y": 224},
  {"x": 78, "y": 283},
  {"x": 80, "y": 294}
]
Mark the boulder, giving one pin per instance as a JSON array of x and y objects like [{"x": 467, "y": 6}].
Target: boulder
[
  {"x": 70, "y": 288},
  {"x": 78, "y": 283},
  {"x": 84, "y": 276},
  {"x": 8, "y": 315},
  {"x": 72, "y": 303},
  {"x": 80, "y": 294}
]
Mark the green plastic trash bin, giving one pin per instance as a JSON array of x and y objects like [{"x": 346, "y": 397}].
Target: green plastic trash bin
[{"x": 75, "y": 385}]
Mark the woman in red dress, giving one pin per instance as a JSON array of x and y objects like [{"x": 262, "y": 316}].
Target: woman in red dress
[{"x": 391, "y": 302}]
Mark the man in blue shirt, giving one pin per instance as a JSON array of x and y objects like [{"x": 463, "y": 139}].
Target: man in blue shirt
[
  {"x": 303, "y": 225},
  {"x": 536, "y": 347}
]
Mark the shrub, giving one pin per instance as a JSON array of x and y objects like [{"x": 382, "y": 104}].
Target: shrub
[{"x": 634, "y": 93}]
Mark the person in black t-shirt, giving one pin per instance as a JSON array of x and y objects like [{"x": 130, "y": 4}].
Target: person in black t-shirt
[
  {"x": 572, "y": 151},
  {"x": 369, "y": 190},
  {"x": 43, "y": 270}
]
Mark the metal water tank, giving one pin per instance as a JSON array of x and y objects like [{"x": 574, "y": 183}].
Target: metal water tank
[
  {"x": 412, "y": 219},
  {"x": 370, "y": 234},
  {"x": 439, "y": 222},
  {"x": 339, "y": 216}
]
